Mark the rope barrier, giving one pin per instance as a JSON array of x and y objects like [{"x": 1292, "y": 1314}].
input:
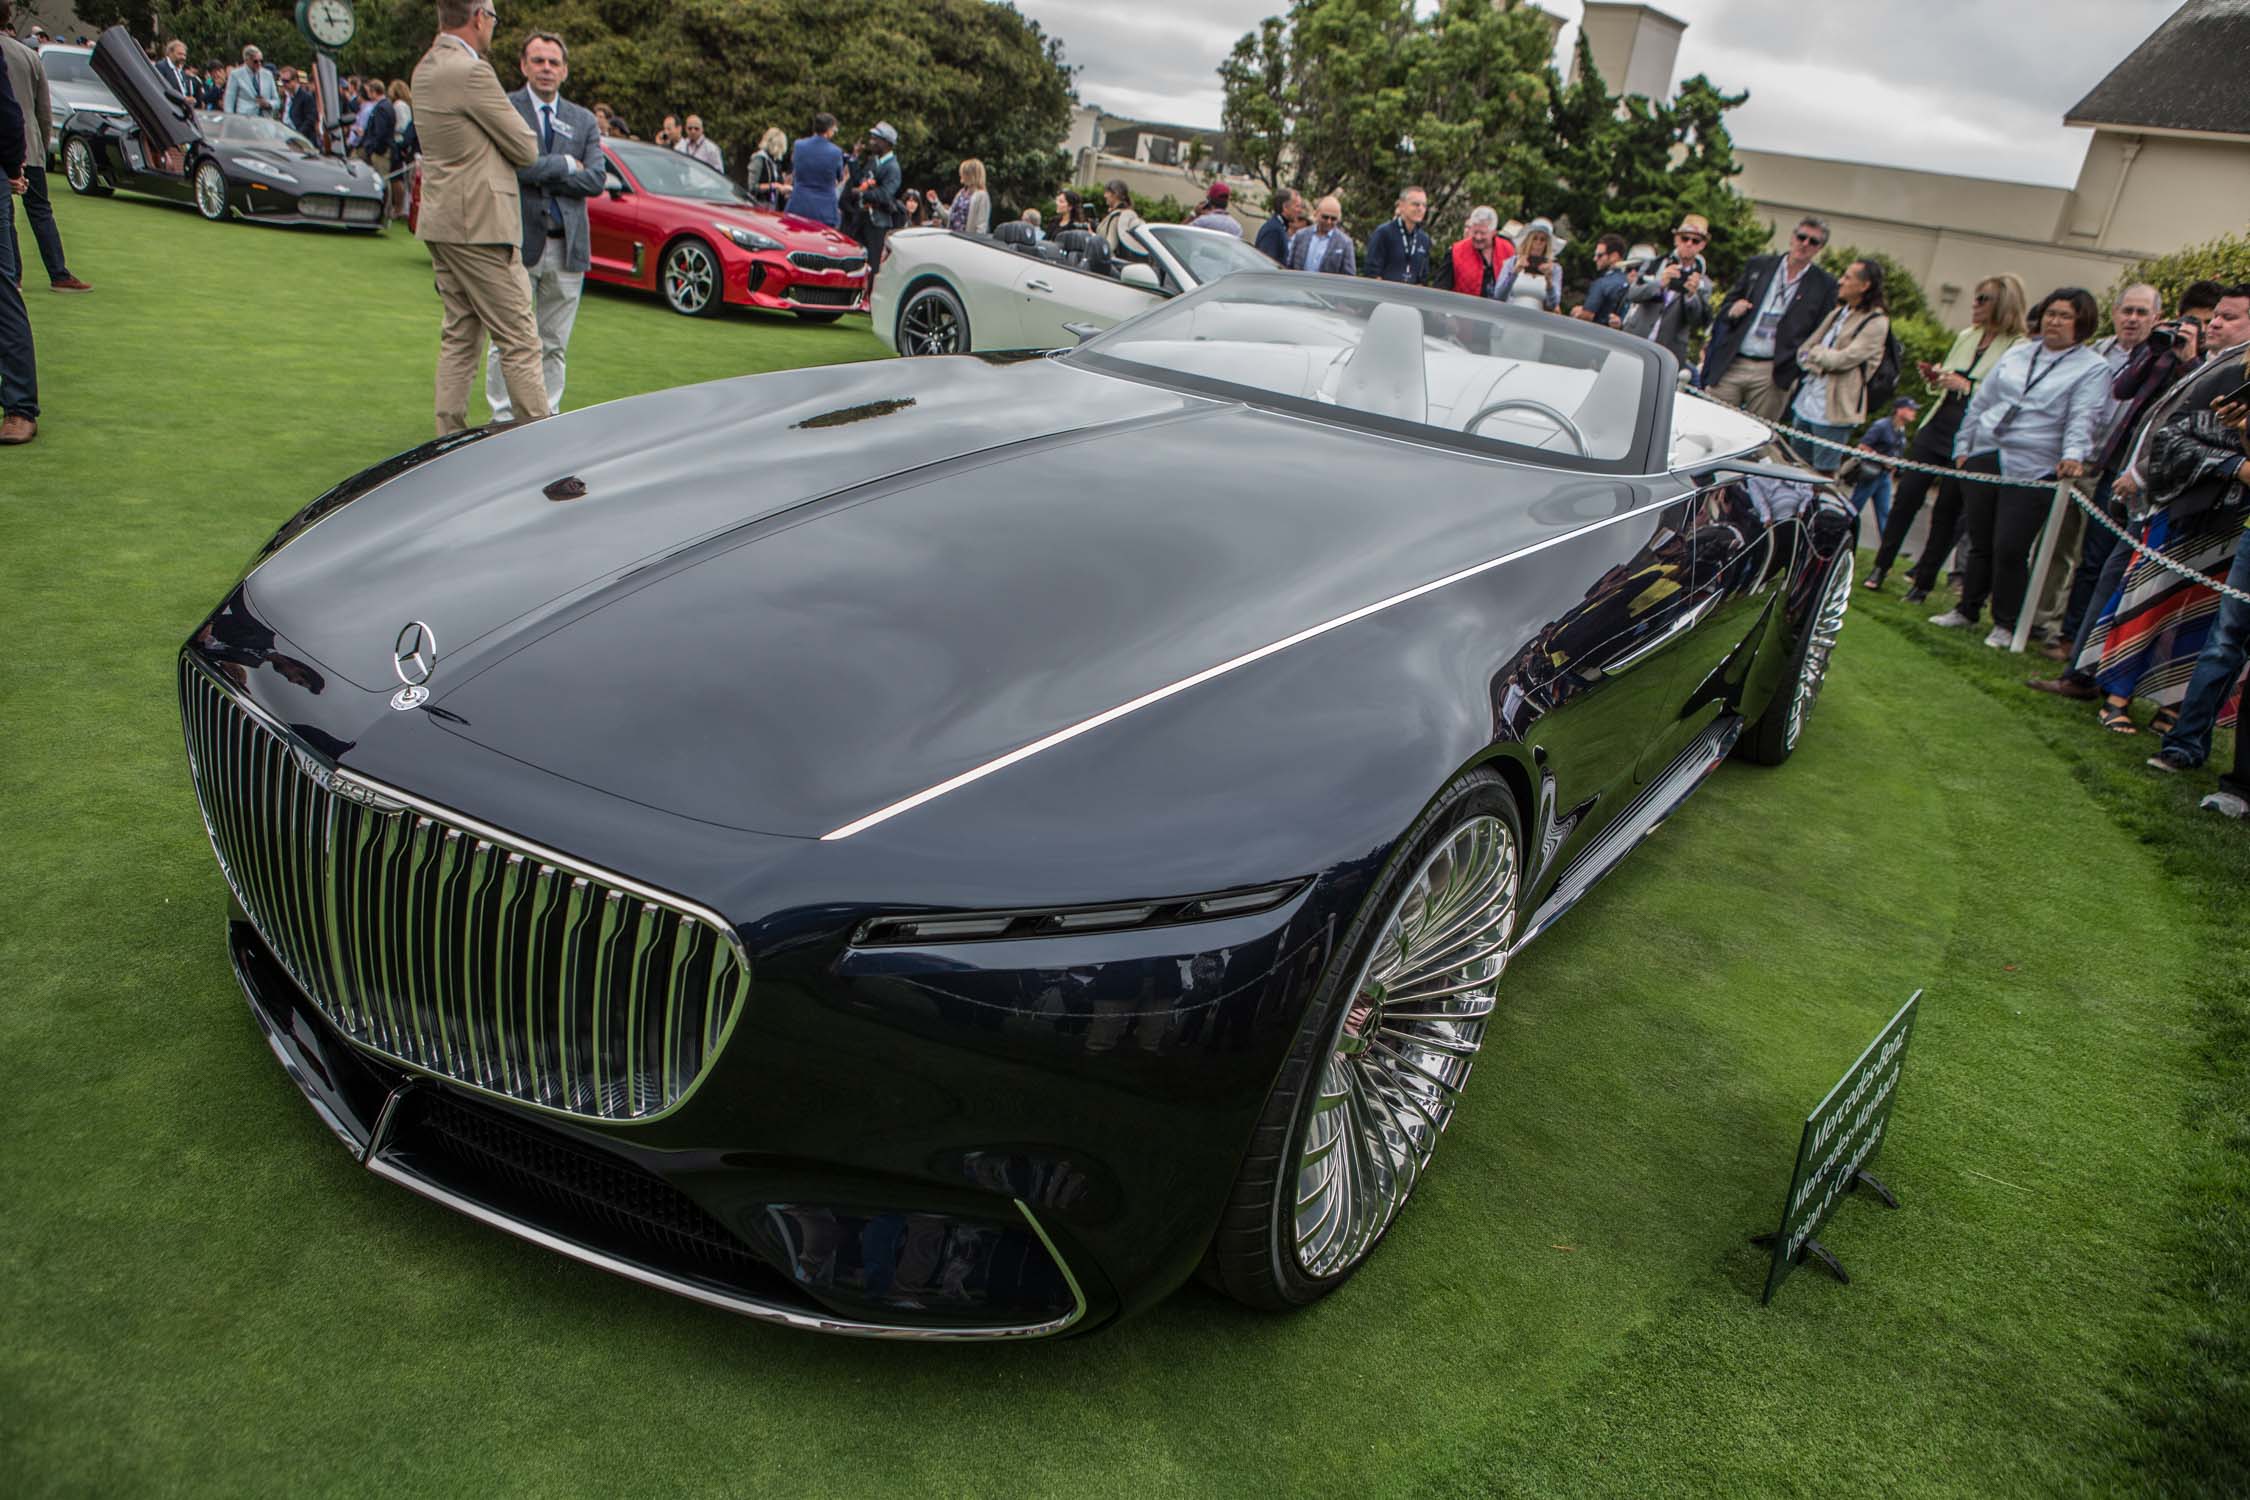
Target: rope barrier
[{"x": 2061, "y": 487}]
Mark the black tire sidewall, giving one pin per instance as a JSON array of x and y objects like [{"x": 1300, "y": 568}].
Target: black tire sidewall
[
  {"x": 940, "y": 293},
  {"x": 1766, "y": 743},
  {"x": 1279, "y": 1282}
]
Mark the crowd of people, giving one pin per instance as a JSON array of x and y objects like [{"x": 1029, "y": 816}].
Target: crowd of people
[{"x": 2148, "y": 420}]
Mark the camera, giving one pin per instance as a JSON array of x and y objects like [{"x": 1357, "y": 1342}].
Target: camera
[{"x": 2166, "y": 335}]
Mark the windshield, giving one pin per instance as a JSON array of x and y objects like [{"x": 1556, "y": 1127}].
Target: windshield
[
  {"x": 67, "y": 67},
  {"x": 1464, "y": 369},
  {"x": 677, "y": 176},
  {"x": 253, "y": 130},
  {"x": 1208, "y": 254}
]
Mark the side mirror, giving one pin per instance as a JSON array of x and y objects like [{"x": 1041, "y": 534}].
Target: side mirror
[
  {"x": 613, "y": 184},
  {"x": 1081, "y": 331},
  {"x": 1144, "y": 276}
]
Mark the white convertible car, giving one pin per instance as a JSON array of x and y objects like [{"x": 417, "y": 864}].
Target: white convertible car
[{"x": 938, "y": 292}]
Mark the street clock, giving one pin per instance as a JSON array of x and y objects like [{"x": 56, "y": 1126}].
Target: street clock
[{"x": 328, "y": 23}]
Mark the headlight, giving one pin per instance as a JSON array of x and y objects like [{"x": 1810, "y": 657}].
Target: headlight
[
  {"x": 748, "y": 239},
  {"x": 252, "y": 164}
]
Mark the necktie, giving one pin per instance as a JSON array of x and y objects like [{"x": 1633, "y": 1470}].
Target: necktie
[{"x": 547, "y": 137}]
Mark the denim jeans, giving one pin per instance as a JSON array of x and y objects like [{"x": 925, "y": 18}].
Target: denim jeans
[
  {"x": 1874, "y": 485},
  {"x": 19, "y": 373},
  {"x": 2215, "y": 669},
  {"x": 1829, "y": 456}
]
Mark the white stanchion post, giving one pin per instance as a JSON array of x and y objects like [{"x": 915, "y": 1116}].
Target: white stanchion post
[{"x": 2041, "y": 561}]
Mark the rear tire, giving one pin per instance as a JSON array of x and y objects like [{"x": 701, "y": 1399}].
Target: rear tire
[
  {"x": 932, "y": 321},
  {"x": 80, "y": 170},
  {"x": 1380, "y": 1058},
  {"x": 1773, "y": 739}
]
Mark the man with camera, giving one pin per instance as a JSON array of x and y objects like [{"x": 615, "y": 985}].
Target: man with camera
[{"x": 1672, "y": 298}]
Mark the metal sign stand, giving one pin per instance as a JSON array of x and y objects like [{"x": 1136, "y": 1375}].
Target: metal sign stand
[{"x": 1841, "y": 1137}]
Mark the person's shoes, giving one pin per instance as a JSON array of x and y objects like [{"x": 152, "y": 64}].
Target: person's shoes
[
  {"x": 2169, "y": 761},
  {"x": 70, "y": 284},
  {"x": 1916, "y": 595},
  {"x": 2000, "y": 638},
  {"x": 1952, "y": 619},
  {"x": 1874, "y": 581},
  {"x": 15, "y": 429},
  {"x": 2056, "y": 651},
  {"x": 2226, "y": 805},
  {"x": 2065, "y": 686}
]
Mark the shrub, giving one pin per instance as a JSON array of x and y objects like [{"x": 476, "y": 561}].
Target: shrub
[
  {"x": 2225, "y": 259},
  {"x": 1164, "y": 210}
]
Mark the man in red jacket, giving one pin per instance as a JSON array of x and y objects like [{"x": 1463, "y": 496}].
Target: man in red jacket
[{"x": 1474, "y": 265}]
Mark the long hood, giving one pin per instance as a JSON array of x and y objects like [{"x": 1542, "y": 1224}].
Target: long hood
[
  {"x": 978, "y": 574},
  {"x": 497, "y": 536}
]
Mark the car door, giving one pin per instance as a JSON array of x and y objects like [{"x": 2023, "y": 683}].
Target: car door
[
  {"x": 1607, "y": 671},
  {"x": 617, "y": 240},
  {"x": 1048, "y": 296}
]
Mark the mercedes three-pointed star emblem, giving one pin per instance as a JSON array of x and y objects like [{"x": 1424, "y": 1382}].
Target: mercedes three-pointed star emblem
[{"x": 413, "y": 658}]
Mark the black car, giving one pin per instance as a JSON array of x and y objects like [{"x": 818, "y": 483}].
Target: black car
[
  {"x": 226, "y": 166},
  {"x": 950, "y": 847}
]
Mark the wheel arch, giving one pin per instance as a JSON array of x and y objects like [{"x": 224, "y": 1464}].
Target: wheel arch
[
  {"x": 673, "y": 240},
  {"x": 928, "y": 276}
]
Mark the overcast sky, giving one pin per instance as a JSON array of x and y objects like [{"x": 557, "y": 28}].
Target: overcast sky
[{"x": 1971, "y": 86}]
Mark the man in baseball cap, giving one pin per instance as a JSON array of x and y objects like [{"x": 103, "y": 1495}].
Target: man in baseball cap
[{"x": 880, "y": 183}]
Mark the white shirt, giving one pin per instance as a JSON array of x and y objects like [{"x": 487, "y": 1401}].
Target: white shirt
[
  {"x": 705, "y": 151},
  {"x": 1811, "y": 404},
  {"x": 2037, "y": 408}
]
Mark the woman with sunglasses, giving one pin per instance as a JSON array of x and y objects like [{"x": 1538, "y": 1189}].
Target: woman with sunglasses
[{"x": 1996, "y": 325}]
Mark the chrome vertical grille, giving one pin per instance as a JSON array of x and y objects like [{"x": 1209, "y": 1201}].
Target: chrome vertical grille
[{"x": 449, "y": 948}]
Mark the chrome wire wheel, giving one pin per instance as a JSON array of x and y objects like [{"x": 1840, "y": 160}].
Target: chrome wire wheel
[
  {"x": 211, "y": 191},
  {"x": 690, "y": 277},
  {"x": 78, "y": 165},
  {"x": 1820, "y": 644},
  {"x": 930, "y": 324},
  {"x": 1402, "y": 1049}
]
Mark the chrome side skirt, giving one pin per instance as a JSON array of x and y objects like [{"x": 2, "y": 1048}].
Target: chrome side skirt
[{"x": 1642, "y": 817}]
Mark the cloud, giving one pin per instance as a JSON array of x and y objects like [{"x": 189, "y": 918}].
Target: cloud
[{"x": 1976, "y": 87}]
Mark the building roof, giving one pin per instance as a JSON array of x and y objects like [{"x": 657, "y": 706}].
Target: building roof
[{"x": 2186, "y": 76}]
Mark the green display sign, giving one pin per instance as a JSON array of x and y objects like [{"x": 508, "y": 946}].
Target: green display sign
[{"x": 1842, "y": 1135}]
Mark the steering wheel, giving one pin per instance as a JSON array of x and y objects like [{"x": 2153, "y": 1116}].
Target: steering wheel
[{"x": 1569, "y": 428}]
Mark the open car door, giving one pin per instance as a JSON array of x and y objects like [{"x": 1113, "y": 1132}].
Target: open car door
[{"x": 165, "y": 120}]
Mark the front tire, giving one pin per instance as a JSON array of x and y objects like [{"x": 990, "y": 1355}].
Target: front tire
[
  {"x": 79, "y": 169},
  {"x": 1773, "y": 739},
  {"x": 690, "y": 279},
  {"x": 933, "y": 321},
  {"x": 211, "y": 192},
  {"x": 1381, "y": 1057}
]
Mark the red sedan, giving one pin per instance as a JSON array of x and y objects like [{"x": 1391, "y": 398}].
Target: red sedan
[{"x": 670, "y": 224}]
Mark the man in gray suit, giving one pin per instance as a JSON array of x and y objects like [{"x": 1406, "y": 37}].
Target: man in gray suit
[{"x": 555, "y": 187}]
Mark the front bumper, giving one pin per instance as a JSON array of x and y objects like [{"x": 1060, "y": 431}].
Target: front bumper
[
  {"x": 621, "y": 1211},
  {"x": 772, "y": 281}
]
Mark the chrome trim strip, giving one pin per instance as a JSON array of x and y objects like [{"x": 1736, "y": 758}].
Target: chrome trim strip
[
  {"x": 749, "y": 1307},
  {"x": 1158, "y": 695}
]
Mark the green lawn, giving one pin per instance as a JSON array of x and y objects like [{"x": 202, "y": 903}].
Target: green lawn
[{"x": 200, "y": 1293}]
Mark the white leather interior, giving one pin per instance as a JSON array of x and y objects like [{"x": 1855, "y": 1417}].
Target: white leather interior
[{"x": 1386, "y": 375}]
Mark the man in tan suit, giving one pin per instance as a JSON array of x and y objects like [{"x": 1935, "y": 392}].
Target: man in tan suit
[{"x": 472, "y": 142}]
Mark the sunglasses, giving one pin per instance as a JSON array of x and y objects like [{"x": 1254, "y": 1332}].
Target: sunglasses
[
  {"x": 1693, "y": 239},
  {"x": 1982, "y": 297},
  {"x": 1803, "y": 238}
]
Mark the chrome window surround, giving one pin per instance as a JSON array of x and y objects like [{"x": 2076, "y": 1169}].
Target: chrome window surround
[{"x": 404, "y": 922}]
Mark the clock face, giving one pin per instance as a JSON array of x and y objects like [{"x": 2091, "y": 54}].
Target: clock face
[{"x": 331, "y": 22}]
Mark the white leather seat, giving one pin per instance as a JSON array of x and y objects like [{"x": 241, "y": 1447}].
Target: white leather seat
[{"x": 1386, "y": 376}]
